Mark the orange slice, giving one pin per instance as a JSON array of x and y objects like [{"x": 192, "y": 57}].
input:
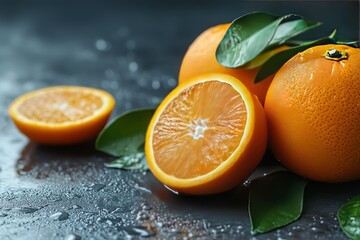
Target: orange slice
[
  {"x": 63, "y": 114},
  {"x": 207, "y": 136}
]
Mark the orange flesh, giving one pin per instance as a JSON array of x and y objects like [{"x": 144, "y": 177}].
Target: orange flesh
[
  {"x": 60, "y": 106},
  {"x": 204, "y": 124}
]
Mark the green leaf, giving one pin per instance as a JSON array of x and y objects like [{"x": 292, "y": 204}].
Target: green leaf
[
  {"x": 251, "y": 34},
  {"x": 276, "y": 61},
  {"x": 349, "y": 218},
  {"x": 354, "y": 44},
  {"x": 125, "y": 134},
  {"x": 135, "y": 161},
  {"x": 275, "y": 201},
  {"x": 263, "y": 57}
]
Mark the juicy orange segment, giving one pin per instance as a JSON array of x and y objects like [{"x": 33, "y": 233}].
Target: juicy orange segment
[
  {"x": 63, "y": 114},
  {"x": 60, "y": 107},
  {"x": 207, "y": 135}
]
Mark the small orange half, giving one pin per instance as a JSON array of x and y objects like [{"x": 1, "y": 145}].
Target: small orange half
[
  {"x": 207, "y": 136},
  {"x": 62, "y": 114}
]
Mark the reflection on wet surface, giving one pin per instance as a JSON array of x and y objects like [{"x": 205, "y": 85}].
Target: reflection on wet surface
[
  {"x": 134, "y": 53},
  {"x": 75, "y": 194},
  {"x": 42, "y": 160}
]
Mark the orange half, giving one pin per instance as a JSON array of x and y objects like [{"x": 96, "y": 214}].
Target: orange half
[
  {"x": 207, "y": 136},
  {"x": 62, "y": 114}
]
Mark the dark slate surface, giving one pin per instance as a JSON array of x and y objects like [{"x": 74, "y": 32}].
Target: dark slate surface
[{"x": 132, "y": 49}]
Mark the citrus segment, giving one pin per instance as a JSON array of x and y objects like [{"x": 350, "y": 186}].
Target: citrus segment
[
  {"x": 198, "y": 123},
  {"x": 63, "y": 114},
  {"x": 60, "y": 107},
  {"x": 207, "y": 135},
  {"x": 200, "y": 58},
  {"x": 313, "y": 113}
]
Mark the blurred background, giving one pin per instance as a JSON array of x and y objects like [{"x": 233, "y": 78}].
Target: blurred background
[
  {"x": 128, "y": 47},
  {"x": 133, "y": 49}
]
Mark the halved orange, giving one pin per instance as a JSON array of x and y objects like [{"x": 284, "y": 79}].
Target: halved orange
[
  {"x": 207, "y": 136},
  {"x": 62, "y": 114}
]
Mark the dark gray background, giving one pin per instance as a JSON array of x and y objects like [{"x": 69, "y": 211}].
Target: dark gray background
[{"x": 132, "y": 49}]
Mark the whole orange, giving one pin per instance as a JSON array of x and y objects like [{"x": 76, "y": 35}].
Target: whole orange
[
  {"x": 200, "y": 59},
  {"x": 313, "y": 111}
]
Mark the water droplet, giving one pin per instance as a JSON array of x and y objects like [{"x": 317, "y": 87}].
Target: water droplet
[
  {"x": 97, "y": 187},
  {"x": 75, "y": 206},
  {"x": 142, "y": 216},
  {"x": 26, "y": 209},
  {"x": 155, "y": 84},
  {"x": 301, "y": 57},
  {"x": 295, "y": 227},
  {"x": 133, "y": 66},
  {"x": 102, "y": 45},
  {"x": 145, "y": 207},
  {"x": 142, "y": 188},
  {"x": 109, "y": 220},
  {"x": 114, "y": 85},
  {"x": 60, "y": 216},
  {"x": 138, "y": 231},
  {"x": 171, "y": 190},
  {"x": 352, "y": 219},
  {"x": 174, "y": 230},
  {"x": 246, "y": 183},
  {"x": 72, "y": 237},
  {"x": 171, "y": 82},
  {"x": 155, "y": 100},
  {"x": 71, "y": 195}
]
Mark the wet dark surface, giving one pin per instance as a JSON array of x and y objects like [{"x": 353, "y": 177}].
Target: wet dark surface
[{"x": 133, "y": 51}]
